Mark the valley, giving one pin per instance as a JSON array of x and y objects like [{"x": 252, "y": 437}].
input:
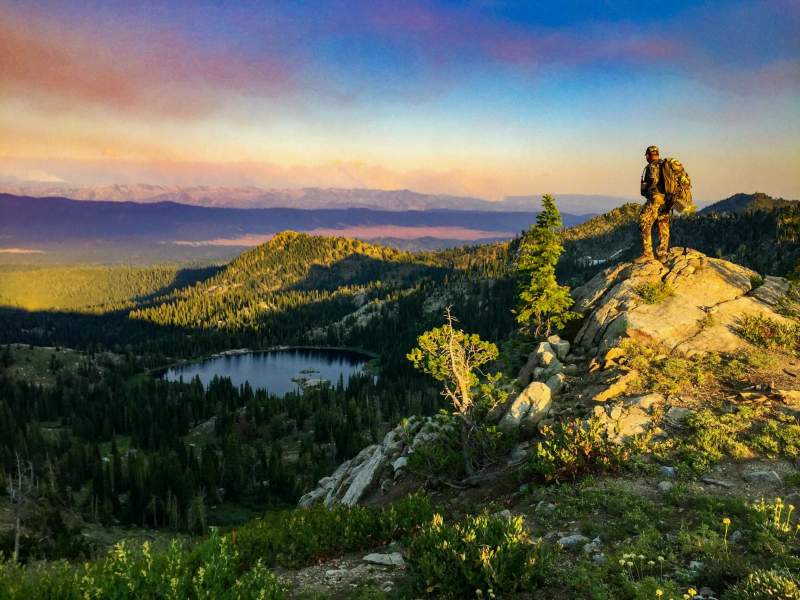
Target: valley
[{"x": 223, "y": 447}]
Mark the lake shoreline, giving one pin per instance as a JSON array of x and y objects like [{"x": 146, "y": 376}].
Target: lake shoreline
[{"x": 161, "y": 369}]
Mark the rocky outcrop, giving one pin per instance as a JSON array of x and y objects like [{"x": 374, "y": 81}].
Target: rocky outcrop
[
  {"x": 353, "y": 478},
  {"x": 703, "y": 298},
  {"x": 542, "y": 378},
  {"x": 376, "y": 466}
]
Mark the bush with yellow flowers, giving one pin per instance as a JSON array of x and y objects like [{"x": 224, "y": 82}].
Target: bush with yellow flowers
[{"x": 482, "y": 556}]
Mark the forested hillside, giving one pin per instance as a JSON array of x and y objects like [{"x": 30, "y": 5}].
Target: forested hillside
[{"x": 91, "y": 288}]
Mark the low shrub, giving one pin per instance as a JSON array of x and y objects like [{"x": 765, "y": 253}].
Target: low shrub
[
  {"x": 302, "y": 536},
  {"x": 575, "y": 448},
  {"x": 665, "y": 372},
  {"x": 131, "y": 571},
  {"x": 766, "y": 585},
  {"x": 441, "y": 454},
  {"x": 789, "y": 305},
  {"x": 672, "y": 373},
  {"x": 654, "y": 292},
  {"x": 233, "y": 566},
  {"x": 769, "y": 334},
  {"x": 483, "y": 556},
  {"x": 745, "y": 433}
]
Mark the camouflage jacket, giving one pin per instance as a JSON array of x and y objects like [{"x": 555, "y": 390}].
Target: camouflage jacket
[{"x": 652, "y": 182}]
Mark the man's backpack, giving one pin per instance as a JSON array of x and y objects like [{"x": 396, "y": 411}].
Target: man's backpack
[{"x": 677, "y": 185}]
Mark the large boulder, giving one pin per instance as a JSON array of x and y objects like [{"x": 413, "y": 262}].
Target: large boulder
[
  {"x": 527, "y": 409},
  {"x": 706, "y": 298}
]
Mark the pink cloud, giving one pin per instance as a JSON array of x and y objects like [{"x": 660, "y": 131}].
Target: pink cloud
[{"x": 162, "y": 73}]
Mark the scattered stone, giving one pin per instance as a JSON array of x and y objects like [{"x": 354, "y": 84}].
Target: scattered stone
[
  {"x": 503, "y": 514},
  {"x": 392, "y": 559},
  {"x": 561, "y": 347},
  {"x": 707, "y": 592},
  {"x": 677, "y": 415},
  {"x": 645, "y": 403},
  {"x": 556, "y": 368},
  {"x": 668, "y": 472},
  {"x": 718, "y": 482},
  {"x": 764, "y": 477},
  {"x": 520, "y": 452},
  {"x": 545, "y": 354},
  {"x": 556, "y": 383},
  {"x": 400, "y": 463},
  {"x": 695, "y": 565},
  {"x": 593, "y": 547},
  {"x": 665, "y": 486},
  {"x": 572, "y": 541},
  {"x": 543, "y": 506},
  {"x": 735, "y": 537},
  {"x": 621, "y": 423},
  {"x": 571, "y": 370},
  {"x": 336, "y": 573}
]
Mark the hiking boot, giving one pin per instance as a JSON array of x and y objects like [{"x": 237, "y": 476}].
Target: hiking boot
[
  {"x": 662, "y": 255},
  {"x": 646, "y": 257}
]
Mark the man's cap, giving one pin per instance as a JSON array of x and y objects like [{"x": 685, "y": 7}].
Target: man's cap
[{"x": 652, "y": 149}]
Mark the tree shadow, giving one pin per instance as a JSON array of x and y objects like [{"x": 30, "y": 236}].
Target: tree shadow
[
  {"x": 360, "y": 269},
  {"x": 183, "y": 278}
]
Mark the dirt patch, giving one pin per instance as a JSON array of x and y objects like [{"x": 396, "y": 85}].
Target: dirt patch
[{"x": 340, "y": 577}]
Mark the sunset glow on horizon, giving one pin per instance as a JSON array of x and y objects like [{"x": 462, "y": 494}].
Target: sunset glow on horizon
[{"x": 486, "y": 99}]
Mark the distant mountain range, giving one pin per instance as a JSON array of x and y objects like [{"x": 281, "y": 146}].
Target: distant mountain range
[
  {"x": 56, "y": 228},
  {"x": 30, "y": 225},
  {"x": 308, "y": 198}
]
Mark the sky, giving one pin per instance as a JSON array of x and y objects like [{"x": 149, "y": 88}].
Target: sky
[{"x": 484, "y": 98}]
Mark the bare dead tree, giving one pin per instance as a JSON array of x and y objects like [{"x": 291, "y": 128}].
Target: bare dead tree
[{"x": 21, "y": 488}]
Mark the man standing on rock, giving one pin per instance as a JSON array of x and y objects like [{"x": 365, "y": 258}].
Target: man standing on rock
[{"x": 657, "y": 208}]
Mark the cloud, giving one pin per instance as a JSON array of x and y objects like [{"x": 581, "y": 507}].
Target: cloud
[
  {"x": 189, "y": 60},
  {"x": 739, "y": 46},
  {"x": 465, "y": 33},
  {"x": 59, "y": 65}
]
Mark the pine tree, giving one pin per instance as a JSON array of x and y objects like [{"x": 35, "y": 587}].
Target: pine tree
[
  {"x": 543, "y": 304},
  {"x": 455, "y": 358}
]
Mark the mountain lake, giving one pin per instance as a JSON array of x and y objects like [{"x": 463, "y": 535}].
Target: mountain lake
[{"x": 277, "y": 371}]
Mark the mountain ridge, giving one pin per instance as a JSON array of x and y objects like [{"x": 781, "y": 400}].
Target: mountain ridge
[
  {"x": 742, "y": 202},
  {"x": 305, "y": 198},
  {"x": 53, "y": 222}
]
